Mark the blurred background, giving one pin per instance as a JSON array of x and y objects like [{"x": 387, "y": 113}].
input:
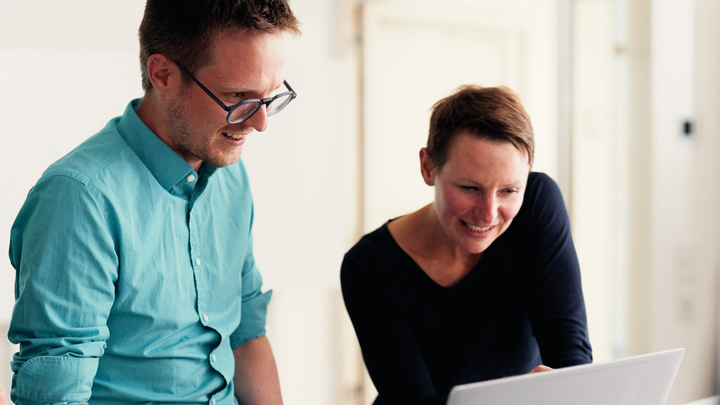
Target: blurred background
[{"x": 624, "y": 97}]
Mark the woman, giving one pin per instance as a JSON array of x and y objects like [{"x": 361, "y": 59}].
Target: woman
[{"x": 483, "y": 282}]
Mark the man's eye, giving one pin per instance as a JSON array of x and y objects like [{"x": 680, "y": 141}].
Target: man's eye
[{"x": 468, "y": 188}]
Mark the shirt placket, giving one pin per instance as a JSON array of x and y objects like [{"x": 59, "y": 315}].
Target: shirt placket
[{"x": 200, "y": 270}]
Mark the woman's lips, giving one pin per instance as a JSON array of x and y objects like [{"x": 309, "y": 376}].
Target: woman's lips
[{"x": 478, "y": 228}]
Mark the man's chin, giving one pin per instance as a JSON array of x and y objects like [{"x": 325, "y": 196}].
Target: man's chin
[{"x": 224, "y": 161}]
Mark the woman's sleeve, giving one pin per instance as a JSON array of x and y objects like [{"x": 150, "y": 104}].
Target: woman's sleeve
[
  {"x": 557, "y": 307},
  {"x": 388, "y": 344}
]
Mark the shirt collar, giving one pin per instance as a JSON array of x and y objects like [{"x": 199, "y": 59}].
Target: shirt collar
[{"x": 166, "y": 166}]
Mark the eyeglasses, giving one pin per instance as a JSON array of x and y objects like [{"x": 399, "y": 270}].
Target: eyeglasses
[{"x": 245, "y": 109}]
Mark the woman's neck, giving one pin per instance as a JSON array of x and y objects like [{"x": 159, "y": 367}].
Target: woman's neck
[{"x": 423, "y": 238}]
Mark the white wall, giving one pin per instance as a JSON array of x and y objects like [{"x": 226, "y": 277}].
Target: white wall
[
  {"x": 417, "y": 52},
  {"x": 593, "y": 159},
  {"x": 684, "y": 190},
  {"x": 645, "y": 195}
]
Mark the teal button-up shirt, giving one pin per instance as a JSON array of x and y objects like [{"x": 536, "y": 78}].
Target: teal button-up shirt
[{"x": 135, "y": 275}]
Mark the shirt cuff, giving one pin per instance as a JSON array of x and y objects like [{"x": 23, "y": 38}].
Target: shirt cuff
[
  {"x": 252, "y": 320},
  {"x": 54, "y": 380}
]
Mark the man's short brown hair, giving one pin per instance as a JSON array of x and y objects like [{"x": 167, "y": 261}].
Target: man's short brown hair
[
  {"x": 183, "y": 30},
  {"x": 493, "y": 113}
]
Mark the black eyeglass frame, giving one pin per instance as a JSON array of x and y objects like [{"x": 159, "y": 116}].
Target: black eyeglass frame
[{"x": 260, "y": 102}]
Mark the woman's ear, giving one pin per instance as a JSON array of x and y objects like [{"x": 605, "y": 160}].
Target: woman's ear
[{"x": 426, "y": 167}]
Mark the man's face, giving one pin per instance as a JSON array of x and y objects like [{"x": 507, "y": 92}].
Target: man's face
[{"x": 244, "y": 66}]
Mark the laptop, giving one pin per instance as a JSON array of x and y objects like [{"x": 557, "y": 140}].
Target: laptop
[{"x": 637, "y": 380}]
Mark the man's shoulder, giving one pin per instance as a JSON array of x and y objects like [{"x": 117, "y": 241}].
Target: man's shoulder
[{"x": 92, "y": 157}]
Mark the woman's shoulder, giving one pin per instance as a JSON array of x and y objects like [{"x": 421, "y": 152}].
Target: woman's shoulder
[
  {"x": 543, "y": 210},
  {"x": 377, "y": 265},
  {"x": 540, "y": 180},
  {"x": 379, "y": 255},
  {"x": 379, "y": 239},
  {"x": 542, "y": 191},
  {"x": 375, "y": 249}
]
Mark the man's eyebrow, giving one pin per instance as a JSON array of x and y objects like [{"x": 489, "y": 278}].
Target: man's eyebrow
[{"x": 246, "y": 91}]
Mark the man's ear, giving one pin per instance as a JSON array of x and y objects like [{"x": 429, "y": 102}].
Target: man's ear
[
  {"x": 426, "y": 167},
  {"x": 164, "y": 73}
]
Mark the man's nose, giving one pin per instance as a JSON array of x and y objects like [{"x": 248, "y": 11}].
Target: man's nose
[{"x": 259, "y": 120}]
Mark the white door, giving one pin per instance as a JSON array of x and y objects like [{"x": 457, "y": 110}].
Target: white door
[{"x": 416, "y": 52}]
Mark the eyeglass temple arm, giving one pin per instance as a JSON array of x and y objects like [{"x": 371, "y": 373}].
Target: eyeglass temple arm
[
  {"x": 289, "y": 88},
  {"x": 205, "y": 89}
]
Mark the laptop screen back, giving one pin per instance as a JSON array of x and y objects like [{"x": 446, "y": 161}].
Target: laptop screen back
[{"x": 639, "y": 380}]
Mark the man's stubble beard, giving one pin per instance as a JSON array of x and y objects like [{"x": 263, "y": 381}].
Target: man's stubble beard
[{"x": 190, "y": 143}]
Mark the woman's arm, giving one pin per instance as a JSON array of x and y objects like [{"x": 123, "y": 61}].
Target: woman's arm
[{"x": 556, "y": 304}]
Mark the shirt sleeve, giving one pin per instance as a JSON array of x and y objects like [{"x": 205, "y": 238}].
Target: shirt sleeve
[
  {"x": 557, "y": 306},
  {"x": 388, "y": 343},
  {"x": 66, "y": 267},
  {"x": 254, "y": 302}
]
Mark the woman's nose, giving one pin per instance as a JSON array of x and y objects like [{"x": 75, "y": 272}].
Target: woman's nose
[{"x": 486, "y": 209}]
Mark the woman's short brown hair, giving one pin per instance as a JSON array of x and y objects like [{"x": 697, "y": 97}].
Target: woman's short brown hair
[{"x": 493, "y": 113}]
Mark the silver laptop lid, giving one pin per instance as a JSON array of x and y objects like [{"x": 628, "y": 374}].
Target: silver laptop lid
[{"x": 639, "y": 380}]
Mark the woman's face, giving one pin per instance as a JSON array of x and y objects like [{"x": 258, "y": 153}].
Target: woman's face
[{"x": 478, "y": 191}]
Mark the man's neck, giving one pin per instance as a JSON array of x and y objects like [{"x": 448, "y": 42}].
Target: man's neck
[
  {"x": 150, "y": 115},
  {"x": 154, "y": 117}
]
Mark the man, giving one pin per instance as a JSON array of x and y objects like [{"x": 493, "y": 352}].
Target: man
[{"x": 135, "y": 274}]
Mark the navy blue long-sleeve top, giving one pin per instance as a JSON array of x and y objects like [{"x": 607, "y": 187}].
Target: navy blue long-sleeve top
[{"x": 519, "y": 307}]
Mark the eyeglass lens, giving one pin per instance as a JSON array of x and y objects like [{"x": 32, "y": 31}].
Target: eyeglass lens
[{"x": 245, "y": 111}]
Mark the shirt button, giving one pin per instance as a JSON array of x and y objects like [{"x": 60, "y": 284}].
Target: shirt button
[
  {"x": 206, "y": 317},
  {"x": 191, "y": 178},
  {"x": 197, "y": 261}
]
